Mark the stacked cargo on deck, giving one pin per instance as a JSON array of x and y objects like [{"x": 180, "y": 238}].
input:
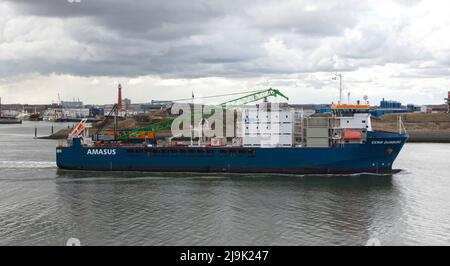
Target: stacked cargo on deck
[{"x": 263, "y": 126}]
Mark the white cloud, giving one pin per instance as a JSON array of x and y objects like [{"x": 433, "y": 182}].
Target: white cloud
[
  {"x": 166, "y": 50},
  {"x": 135, "y": 81}
]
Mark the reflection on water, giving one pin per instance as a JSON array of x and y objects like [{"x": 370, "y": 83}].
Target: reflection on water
[
  {"x": 225, "y": 209},
  {"x": 40, "y": 204}
]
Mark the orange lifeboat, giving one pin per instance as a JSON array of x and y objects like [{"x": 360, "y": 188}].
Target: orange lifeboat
[{"x": 352, "y": 135}]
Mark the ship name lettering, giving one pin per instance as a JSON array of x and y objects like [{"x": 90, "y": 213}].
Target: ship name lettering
[
  {"x": 377, "y": 142},
  {"x": 393, "y": 142},
  {"x": 101, "y": 152}
]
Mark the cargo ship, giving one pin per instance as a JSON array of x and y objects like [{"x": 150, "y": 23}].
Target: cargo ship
[{"x": 267, "y": 140}]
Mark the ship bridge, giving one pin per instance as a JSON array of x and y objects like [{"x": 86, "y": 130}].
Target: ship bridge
[{"x": 352, "y": 116}]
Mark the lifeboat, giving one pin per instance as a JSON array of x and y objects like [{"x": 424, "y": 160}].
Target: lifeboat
[{"x": 352, "y": 135}]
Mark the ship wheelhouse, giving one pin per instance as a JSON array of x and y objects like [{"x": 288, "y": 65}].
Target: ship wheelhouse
[
  {"x": 351, "y": 123},
  {"x": 352, "y": 116}
]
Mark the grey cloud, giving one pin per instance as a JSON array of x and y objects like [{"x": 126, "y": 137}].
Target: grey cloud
[
  {"x": 328, "y": 19},
  {"x": 135, "y": 17},
  {"x": 180, "y": 38}
]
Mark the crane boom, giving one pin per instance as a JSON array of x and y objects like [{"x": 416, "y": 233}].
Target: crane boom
[
  {"x": 254, "y": 97},
  {"x": 166, "y": 123},
  {"x": 114, "y": 111}
]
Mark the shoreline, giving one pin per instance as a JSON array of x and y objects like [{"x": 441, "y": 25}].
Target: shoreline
[{"x": 429, "y": 137}]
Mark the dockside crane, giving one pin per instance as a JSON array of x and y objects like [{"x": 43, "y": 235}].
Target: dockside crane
[{"x": 166, "y": 123}]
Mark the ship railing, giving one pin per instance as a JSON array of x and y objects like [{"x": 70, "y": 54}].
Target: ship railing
[{"x": 401, "y": 125}]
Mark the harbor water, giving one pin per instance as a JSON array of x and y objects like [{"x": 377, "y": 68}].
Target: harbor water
[{"x": 41, "y": 205}]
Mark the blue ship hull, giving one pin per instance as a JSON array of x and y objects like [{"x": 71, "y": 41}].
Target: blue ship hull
[{"x": 377, "y": 155}]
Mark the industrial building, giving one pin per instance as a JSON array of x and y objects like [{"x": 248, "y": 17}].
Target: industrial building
[
  {"x": 72, "y": 104},
  {"x": 389, "y": 107}
]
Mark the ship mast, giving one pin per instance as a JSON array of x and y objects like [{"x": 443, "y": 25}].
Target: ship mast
[{"x": 336, "y": 75}]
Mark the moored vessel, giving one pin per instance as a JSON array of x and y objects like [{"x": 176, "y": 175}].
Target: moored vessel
[{"x": 8, "y": 119}]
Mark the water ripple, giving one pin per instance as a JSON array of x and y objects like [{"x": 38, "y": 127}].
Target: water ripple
[{"x": 41, "y": 205}]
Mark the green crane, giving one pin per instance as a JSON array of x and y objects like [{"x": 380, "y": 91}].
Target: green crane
[
  {"x": 253, "y": 98},
  {"x": 166, "y": 123}
]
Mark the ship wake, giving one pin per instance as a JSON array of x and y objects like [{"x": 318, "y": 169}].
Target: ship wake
[{"x": 27, "y": 164}]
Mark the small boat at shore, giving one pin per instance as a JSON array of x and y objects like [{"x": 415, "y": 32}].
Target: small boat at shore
[
  {"x": 9, "y": 120},
  {"x": 35, "y": 117}
]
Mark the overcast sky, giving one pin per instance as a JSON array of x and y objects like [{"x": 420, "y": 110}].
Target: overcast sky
[{"x": 399, "y": 50}]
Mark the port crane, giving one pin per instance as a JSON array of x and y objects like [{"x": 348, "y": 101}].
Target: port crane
[{"x": 166, "y": 123}]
